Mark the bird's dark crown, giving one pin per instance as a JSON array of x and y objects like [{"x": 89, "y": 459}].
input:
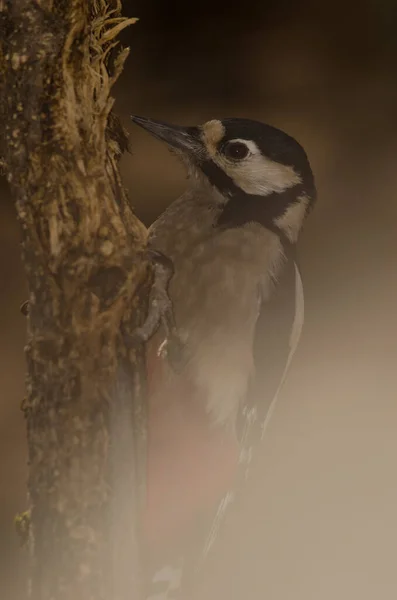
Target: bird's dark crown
[{"x": 272, "y": 142}]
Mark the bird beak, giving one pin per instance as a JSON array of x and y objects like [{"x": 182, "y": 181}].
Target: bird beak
[{"x": 185, "y": 139}]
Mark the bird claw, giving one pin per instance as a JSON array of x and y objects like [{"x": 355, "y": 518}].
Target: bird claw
[
  {"x": 172, "y": 350},
  {"x": 160, "y": 311},
  {"x": 24, "y": 308}
]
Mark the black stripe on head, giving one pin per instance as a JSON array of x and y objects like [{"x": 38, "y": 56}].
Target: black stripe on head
[
  {"x": 242, "y": 208},
  {"x": 218, "y": 178}
]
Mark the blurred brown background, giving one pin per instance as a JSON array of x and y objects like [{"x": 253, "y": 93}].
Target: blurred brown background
[{"x": 320, "y": 521}]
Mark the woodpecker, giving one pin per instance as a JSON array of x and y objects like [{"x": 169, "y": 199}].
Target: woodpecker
[{"x": 237, "y": 301}]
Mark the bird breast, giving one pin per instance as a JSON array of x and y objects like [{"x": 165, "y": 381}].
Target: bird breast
[{"x": 220, "y": 280}]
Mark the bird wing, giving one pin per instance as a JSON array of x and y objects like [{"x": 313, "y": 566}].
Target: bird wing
[{"x": 278, "y": 331}]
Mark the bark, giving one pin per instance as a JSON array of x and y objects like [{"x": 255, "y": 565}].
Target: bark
[{"x": 82, "y": 249}]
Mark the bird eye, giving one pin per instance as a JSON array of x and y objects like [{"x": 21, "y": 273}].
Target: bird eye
[{"x": 235, "y": 150}]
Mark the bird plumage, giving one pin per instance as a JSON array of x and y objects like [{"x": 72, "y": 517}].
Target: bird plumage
[{"x": 231, "y": 238}]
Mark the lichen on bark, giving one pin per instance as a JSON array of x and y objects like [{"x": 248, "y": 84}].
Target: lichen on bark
[{"x": 83, "y": 253}]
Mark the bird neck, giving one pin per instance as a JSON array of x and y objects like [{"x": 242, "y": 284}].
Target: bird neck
[{"x": 281, "y": 213}]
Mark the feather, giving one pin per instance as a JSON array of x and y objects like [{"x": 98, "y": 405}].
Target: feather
[{"x": 278, "y": 331}]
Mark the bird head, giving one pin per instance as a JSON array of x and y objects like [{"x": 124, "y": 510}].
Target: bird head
[{"x": 261, "y": 173}]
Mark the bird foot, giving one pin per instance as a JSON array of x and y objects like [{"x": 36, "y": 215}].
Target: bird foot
[{"x": 160, "y": 312}]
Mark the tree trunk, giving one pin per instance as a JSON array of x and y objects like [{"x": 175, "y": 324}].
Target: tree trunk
[{"x": 82, "y": 250}]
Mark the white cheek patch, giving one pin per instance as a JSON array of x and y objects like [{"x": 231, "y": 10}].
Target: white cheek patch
[
  {"x": 257, "y": 174},
  {"x": 291, "y": 221}
]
